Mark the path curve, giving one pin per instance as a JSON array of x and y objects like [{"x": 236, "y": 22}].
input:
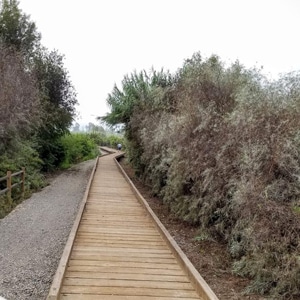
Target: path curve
[{"x": 33, "y": 236}]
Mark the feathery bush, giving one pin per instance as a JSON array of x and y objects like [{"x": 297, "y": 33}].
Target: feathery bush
[{"x": 220, "y": 145}]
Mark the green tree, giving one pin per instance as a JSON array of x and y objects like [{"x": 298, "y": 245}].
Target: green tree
[
  {"x": 19, "y": 100},
  {"x": 140, "y": 93},
  {"x": 56, "y": 93},
  {"x": 16, "y": 29},
  {"x": 58, "y": 99},
  {"x": 137, "y": 89}
]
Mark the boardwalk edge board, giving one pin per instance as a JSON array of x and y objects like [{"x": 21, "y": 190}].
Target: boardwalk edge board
[
  {"x": 61, "y": 269},
  {"x": 197, "y": 280}
]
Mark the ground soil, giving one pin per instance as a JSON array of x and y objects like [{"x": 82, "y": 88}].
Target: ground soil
[{"x": 209, "y": 257}]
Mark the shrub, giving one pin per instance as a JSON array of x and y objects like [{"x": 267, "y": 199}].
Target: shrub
[
  {"x": 220, "y": 145},
  {"x": 77, "y": 147},
  {"x": 20, "y": 154}
]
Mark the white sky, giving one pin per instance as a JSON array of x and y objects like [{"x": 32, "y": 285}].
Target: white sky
[{"x": 103, "y": 40}]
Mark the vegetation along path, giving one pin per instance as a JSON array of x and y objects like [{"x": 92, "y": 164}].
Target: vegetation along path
[{"x": 34, "y": 234}]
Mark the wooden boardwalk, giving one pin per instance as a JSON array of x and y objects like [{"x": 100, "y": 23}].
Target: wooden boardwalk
[{"x": 116, "y": 250}]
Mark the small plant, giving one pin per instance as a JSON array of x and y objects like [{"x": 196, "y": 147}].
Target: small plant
[
  {"x": 296, "y": 209},
  {"x": 203, "y": 237}
]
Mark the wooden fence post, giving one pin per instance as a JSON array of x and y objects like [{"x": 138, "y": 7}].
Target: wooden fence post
[
  {"x": 23, "y": 182},
  {"x": 8, "y": 184}
]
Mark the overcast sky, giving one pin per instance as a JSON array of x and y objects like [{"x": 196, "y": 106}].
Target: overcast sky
[{"x": 103, "y": 40}]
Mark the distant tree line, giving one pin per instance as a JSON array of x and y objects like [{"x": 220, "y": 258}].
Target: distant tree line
[{"x": 221, "y": 147}]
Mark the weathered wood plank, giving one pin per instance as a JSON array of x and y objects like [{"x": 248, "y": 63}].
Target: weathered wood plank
[
  {"x": 126, "y": 276},
  {"x": 140, "y": 258},
  {"x": 125, "y": 270},
  {"x": 119, "y": 243},
  {"x": 103, "y": 250},
  {"x": 126, "y": 264},
  {"x": 118, "y": 297},
  {"x": 129, "y": 291},
  {"x": 117, "y": 236}
]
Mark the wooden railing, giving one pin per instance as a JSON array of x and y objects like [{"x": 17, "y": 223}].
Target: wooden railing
[{"x": 10, "y": 185}]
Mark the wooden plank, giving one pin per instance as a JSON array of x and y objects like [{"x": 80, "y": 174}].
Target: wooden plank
[
  {"x": 117, "y": 236},
  {"x": 97, "y": 257},
  {"x": 112, "y": 230},
  {"x": 124, "y": 283},
  {"x": 137, "y": 234},
  {"x": 102, "y": 249},
  {"x": 118, "y": 297},
  {"x": 119, "y": 243},
  {"x": 112, "y": 217},
  {"x": 129, "y": 291},
  {"x": 118, "y": 223},
  {"x": 113, "y": 212},
  {"x": 126, "y": 264},
  {"x": 105, "y": 240},
  {"x": 126, "y": 276},
  {"x": 125, "y": 270},
  {"x": 121, "y": 254}
]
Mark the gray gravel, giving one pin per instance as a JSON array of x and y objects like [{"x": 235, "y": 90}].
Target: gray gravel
[{"x": 32, "y": 237}]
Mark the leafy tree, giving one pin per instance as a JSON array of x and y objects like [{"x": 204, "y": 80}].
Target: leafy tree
[
  {"x": 56, "y": 93},
  {"x": 19, "y": 101},
  {"x": 137, "y": 89},
  {"x": 140, "y": 93},
  {"x": 58, "y": 99},
  {"x": 37, "y": 99},
  {"x": 16, "y": 29}
]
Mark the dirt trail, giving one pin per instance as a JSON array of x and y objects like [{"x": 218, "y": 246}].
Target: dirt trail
[{"x": 33, "y": 235}]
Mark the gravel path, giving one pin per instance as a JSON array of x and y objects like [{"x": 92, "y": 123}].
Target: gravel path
[{"x": 32, "y": 237}]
